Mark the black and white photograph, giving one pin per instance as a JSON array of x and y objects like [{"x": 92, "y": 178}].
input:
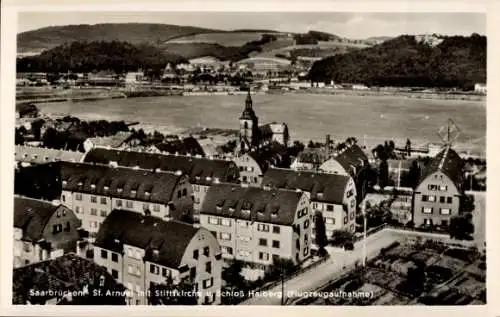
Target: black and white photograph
[{"x": 249, "y": 158}]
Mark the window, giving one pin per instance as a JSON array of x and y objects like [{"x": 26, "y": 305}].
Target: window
[
  {"x": 208, "y": 282},
  {"x": 263, "y": 242},
  {"x": 276, "y": 244},
  {"x": 63, "y": 198},
  {"x": 264, "y": 256},
  {"x": 262, "y": 227},
  {"x": 138, "y": 271},
  {"x": 156, "y": 207},
  {"x": 449, "y": 200},
  {"x": 179, "y": 194},
  {"x": 67, "y": 228},
  {"x": 154, "y": 269},
  {"x": 192, "y": 272},
  {"x": 93, "y": 199},
  {"x": 329, "y": 207},
  {"x": 330, "y": 221},
  {"x": 352, "y": 216},
  {"x": 306, "y": 224},
  {"x": 345, "y": 220},
  {"x": 165, "y": 272},
  {"x": 226, "y": 222},
  {"x": 114, "y": 257},
  {"x": 104, "y": 213},
  {"x": 206, "y": 300},
  {"x": 184, "y": 192},
  {"x": 443, "y": 188},
  {"x": 104, "y": 254},
  {"x": 213, "y": 220},
  {"x": 206, "y": 251},
  {"x": 352, "y": 203},
  {"x": 444, "y": 223},
  {"x": 208, "y": 267},
  {"x": 57, "y": 228},
  {"x": 432, "y": 198},
  {"x": 427, "y": 210},
  {"x": 129, "y": 204},
  {"x": 432, "y": 187},
  {"x": 227, "y": 250},
  {"x": 306, "y": 238},
  {"x": 118, "y": 202},
  {"x": 196, "y": 188},
  {"x": 195, "y": 254},
  {"x": 114, "y": 273},
  {"x": 306, "y": 251},
  {"x": 93, "y": 212},
  {"x": 77, "y": 209},
  {"x": 245, "y": 238},
  {"x": 244, "y": 224},
  {"x": 196, "y": 200},
  {"x": 78, "y": 196},
  {"x": 315, "y": 205},
  {"x": 145, "y": 206},
  {"x": 425, "y": 198},
  {"x": 243, "y": 253},
  {"x": 130, "y": 269},
  {"x": 225, "y": 236},
  {"x": 103, "y": 201},
  {"x": 445, "y": 211},
  {"x": 276, "y": 229},
  {"x": 442, "y": 199}
]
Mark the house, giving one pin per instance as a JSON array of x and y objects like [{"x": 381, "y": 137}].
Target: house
[
  {"x": 334, "y": 196},
  {"x": 437, "y": 197},
  {"x": 186, "y": 146},
  {"x": 117, "y": 141},
  {"x": 480, "y": 88},
  {"x": 263, "y": 66},
  {"x": 93, "y": 191},
  {"x": 68, "y": 279},
  {"x": 313, "y": 158},
  {"x": 134, "y": 77},
  {"x": 42, "y": 230},
  {"x": 39, "y": 155},
  {"x": 252, "y": 165},
  {"x": 258, "y": 226},
  {"x": 202, "y": 172},
  {"x": 351, "y": 161},
  {"x": 142, "y": 251}
]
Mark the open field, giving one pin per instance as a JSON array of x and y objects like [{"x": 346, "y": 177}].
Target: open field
[{"x": 222, "y": 38}]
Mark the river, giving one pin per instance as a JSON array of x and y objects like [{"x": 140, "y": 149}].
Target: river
[{"x": 308, "y": 116}]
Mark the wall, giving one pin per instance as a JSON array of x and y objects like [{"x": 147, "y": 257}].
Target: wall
[
  {"x": 67, "y": 238},
  {"x": 250, "y": 171}
]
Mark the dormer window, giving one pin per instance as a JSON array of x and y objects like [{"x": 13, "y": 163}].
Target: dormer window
[
  {"x": 197, "y": 177},
  {"x": 119, "y": 189},
  {"x": 117, "y": 241},
  {"x": 209, "y": 178},
  {"x": 320, "y": 195},
  {"x": 64, "y": 183},
  {"x": 147, "y": 193},
  {"x": 219, "y": 208},
  {"x": 92, "y": 186},
  {"x": 106, "y": 187},
  {"x": 231, "y": 209},
  {"x": 80, "y": 184}
]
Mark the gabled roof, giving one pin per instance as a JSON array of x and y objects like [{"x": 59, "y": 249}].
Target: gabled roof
[
  {"x": 157, "y": 187},
  {"x": 272, "y": 155},
  {"x": 352, "y": 156},
  {"x": 40, "y": 155},
  {"x": 32, "y": 216},
  {"x": 270, "y": 206},
  {"x": 323, "y": 187},
  {"x": 449, "y": 163},
  {"x": 170, "y": 238},
  {"x": 265, "y": 130},
  {"x": 113, "y": 141},
  {"x": 185, "y": 146},
  {"x": 199, "y": 170}
]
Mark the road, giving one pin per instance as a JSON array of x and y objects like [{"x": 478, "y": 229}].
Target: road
[{"x": 325, "y": 272}]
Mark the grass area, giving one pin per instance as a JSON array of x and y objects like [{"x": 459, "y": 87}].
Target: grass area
[{"x": 222, "y": 38}]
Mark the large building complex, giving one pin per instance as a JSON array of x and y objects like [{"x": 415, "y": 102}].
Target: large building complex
[
  {"x": 256, "y": 225},
  {"x": 202, "y": 172},
  {"x": 93, "y": 191},
  {"x": 334, "y": 196},
  {"x": 437, "y": 197},
  {"x": 42, "y": 230},
  {"x": 142, "y": 251}
]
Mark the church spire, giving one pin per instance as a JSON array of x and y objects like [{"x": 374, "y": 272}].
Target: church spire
[{"x": 248, "y": 101}]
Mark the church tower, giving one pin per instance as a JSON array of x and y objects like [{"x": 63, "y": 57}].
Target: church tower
[{"x": 249, "y": 126}]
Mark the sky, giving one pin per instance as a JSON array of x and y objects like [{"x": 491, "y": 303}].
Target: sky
[{"x": 355, "y": 25}]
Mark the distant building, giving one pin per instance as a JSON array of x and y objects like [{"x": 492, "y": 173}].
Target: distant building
[
  {"x": 334, "y": 196},
  {"x": 254, "y": 164},
  {"x": 480, "y": 88},
  {"x": 202, "y": 172},
  {"x": 93, "y": 191},
  {"x": 262, "y": 66},
  {"x": 140, "y": 252},
  {"x": 36, "y": 284},
  {"x": 312, "y": 158},
  {"x": 134, "y": 77},
  {"x": 117, "y": 141},
  {"x": 40, "y": 155},
  {"x": 256, "y": 225},
  {"x": 42, "y": 230},
  {"x": 437, "y": 197},
  {"x": 186, "y": 146}
]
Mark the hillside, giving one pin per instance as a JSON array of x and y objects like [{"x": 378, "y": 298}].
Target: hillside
[
  {"x": 455, "y": 61},
  {"x": 134, "y": 33},
  {"x": 96, "y": 56},
  {"x": 221, "y": 38}
]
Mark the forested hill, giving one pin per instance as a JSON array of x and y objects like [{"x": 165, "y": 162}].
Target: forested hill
[
  {"x": 96, "y": 56},
  {"x": 454, "y": 61},
  {"x": 134, "y": 33}
]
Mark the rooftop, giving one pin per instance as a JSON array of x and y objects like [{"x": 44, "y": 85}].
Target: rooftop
[
  {"x": 40, "y": 155},
  {"x": 127, "y": 183},
  {"x": 352, "y": 156},
  {"x": 187, "y": 146},
  {"x": 252, "y": 203},
  {"x": 113, "y": 141},
  {"x": 449, "y": 163},
  {"x": 272, "y": 155},
  {"x": 323, "y": 187},
  {"x": 32, "y": 215},
  {"x": 169, "y": 238},
  {"x": 199, "y": 170}
]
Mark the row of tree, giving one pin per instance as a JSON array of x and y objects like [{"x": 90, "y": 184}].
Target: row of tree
[{"x": 457, "y": 61}]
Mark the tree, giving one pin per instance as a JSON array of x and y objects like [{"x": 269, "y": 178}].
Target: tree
[
  {"x": 461, "y": 227},
  {"x": 36, "y": 128},
  {"x": 408, "y": 147},
  {"x": 414, "y": 174},
  {"x": 169, "y": 293},
  {"x": 383, "y": 174},
  {"x": 321, "y": 239}
]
